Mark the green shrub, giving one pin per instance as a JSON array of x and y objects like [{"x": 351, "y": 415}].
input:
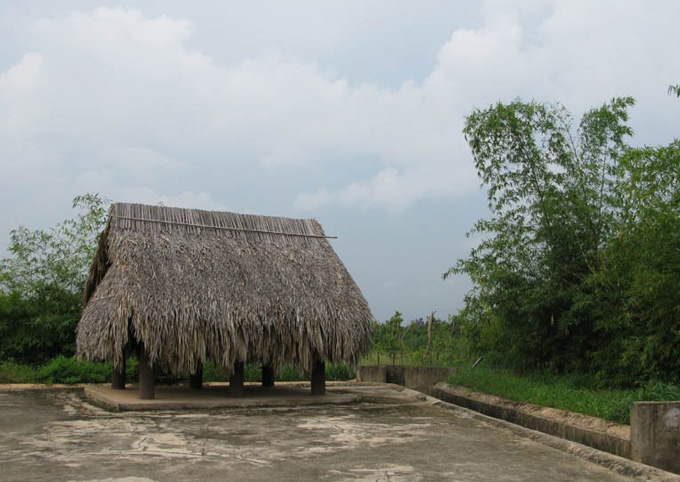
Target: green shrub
[
  {"x": 63, "y": 369},
  {"x": 339, "y": 372}
]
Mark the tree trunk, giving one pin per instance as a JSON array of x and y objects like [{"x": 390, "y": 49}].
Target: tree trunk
[{"x": 430, "y": 320}]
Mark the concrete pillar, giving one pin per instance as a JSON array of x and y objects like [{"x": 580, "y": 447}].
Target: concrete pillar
[
  {"x": 146, "y": 376},
  {"x": 655, "y": 434},
  {"x": 318, "y": 377},
  {"x": 196, "y": 379},
  {"x": 237, "y": 379},
  {"x": 118, "y": 377},
  {"x": 267, "y": 376}
]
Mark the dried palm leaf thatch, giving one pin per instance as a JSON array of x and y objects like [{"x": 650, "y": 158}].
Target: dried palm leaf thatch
[{"x": 196, "y": 285}]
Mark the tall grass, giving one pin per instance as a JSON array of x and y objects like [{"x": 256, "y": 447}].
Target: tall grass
[{"x": 567, "y": 392}]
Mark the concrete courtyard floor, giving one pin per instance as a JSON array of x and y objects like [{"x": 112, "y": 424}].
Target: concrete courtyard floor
[{"x": 390, "y": 436}]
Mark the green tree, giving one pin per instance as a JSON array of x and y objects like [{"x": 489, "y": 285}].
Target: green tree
[
  {"x": 393, "y": 340},
  {"x": 41, "y": 283},
  {"x": 635, "y": 299},
  {"x": 549, "y": 190}
]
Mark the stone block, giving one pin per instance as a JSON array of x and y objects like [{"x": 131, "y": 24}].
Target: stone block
[{"x": 655, "y": 434}]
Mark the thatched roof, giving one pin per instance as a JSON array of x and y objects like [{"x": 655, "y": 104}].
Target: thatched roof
[{"x": 198, "y": 285}]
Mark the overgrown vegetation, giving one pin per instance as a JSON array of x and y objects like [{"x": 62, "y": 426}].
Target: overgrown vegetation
[
  {"x": 578, "y": 267},
  {"x": 41, "y": 284},
  {"x": 567, "y": 392}
]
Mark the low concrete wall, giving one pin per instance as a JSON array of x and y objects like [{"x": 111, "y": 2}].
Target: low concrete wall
[
  {"x": 655, "y": 434},
  {"x": 372, "y": 374},
  {"x": 592, "y": 438},
  {"x": 407, "y": 376},
  {"x": 415, "y": 377}
]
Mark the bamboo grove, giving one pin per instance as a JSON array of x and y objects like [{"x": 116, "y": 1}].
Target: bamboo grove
[{"x": 577, "y": 267}]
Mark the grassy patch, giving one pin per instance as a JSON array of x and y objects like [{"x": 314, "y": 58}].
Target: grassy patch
[
  {"x": 573, "y": 393},
  {"x": 11, "y": 372},
  {"x": 60, "y": 369}
]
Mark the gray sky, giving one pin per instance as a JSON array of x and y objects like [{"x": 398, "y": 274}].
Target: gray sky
[{"x": 347, "y": 111}]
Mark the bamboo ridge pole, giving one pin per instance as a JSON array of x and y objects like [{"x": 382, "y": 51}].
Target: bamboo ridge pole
[{"x": 225, "y": 228}]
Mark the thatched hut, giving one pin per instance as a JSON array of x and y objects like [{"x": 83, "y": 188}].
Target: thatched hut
[{"x": 182, "y": 286}]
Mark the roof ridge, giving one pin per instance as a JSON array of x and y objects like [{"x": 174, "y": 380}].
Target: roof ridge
[{"x": 226, "y": 228}]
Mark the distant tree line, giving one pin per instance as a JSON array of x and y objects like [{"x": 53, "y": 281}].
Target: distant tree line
[
  {"x": 423, "y": 341},
  {"x": 578, "y": 266}
]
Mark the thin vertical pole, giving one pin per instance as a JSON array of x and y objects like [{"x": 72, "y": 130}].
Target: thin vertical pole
[
  {"x": 236, "y": 380},
  {"x": 146, "y": 378},
  {"x": 318, "y": 377}
]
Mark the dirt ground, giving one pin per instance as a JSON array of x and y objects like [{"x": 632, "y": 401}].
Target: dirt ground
[{"x": 59, "y": 436}]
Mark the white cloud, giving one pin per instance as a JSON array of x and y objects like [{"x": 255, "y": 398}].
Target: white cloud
[
  {"x": 392, "y": 189},
  {"x": 122, "y": 98},
  {"x": 573, "y": 52}
]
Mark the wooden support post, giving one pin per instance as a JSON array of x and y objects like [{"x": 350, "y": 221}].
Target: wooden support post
[
  {"x": 146, "y": 378},
  {"x": 267, "y": 376},
  {"x": 236, "y": 380},
  {"x": 118, "y": 377},
  {"x": 318, "y": 377},
  {"x": 196, "y": 380}
]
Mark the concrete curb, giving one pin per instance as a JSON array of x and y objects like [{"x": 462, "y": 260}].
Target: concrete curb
[
  {"x": 615, "y": 463},
  {"x": 595, "y": 436}
]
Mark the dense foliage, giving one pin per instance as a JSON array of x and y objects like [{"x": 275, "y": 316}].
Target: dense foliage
[
  {"x": 578, "y": 265},
  {"x": 41, "y": 284}
]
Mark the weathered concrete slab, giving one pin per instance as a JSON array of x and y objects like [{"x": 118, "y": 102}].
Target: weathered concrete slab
[
  {"x": 177, "y": 397},
  {"x": 59, "y": 436}
]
